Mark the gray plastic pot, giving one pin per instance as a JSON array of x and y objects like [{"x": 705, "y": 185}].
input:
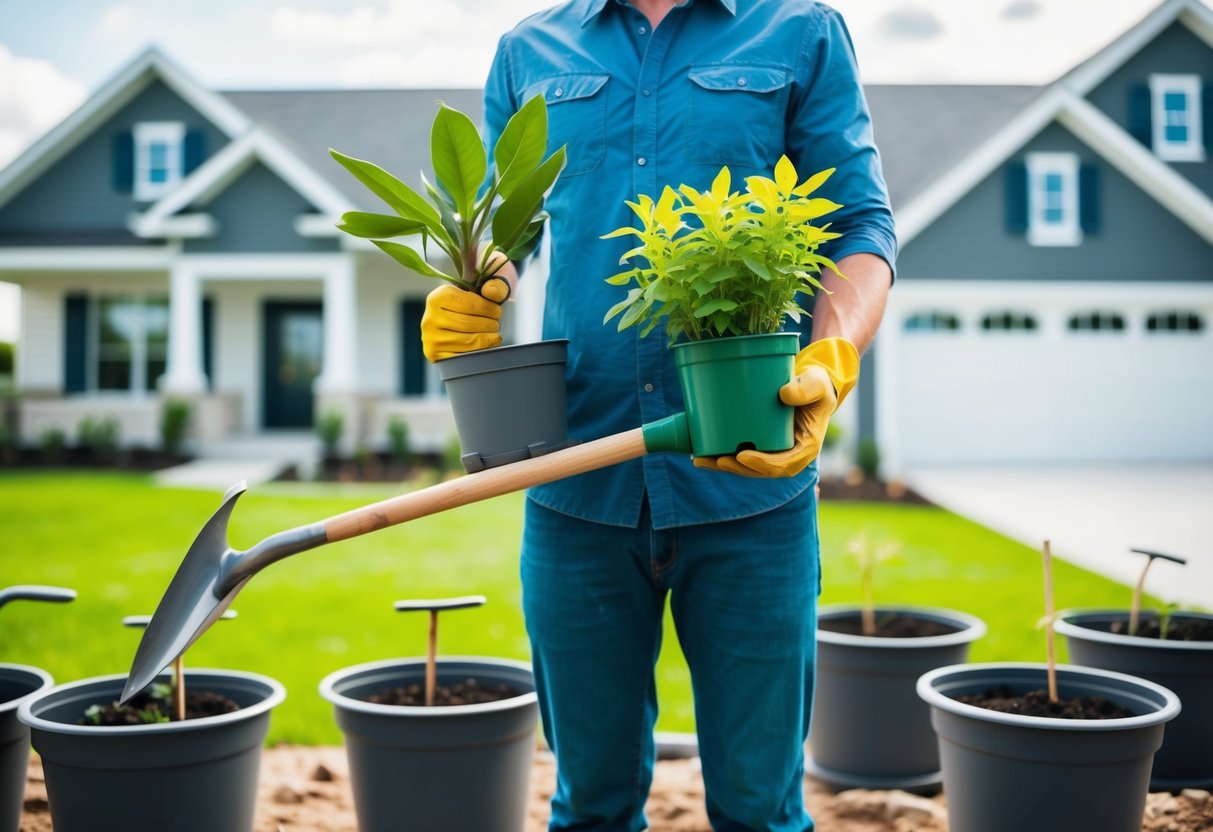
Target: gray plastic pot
[
  {"x": 509, "y": 402},
  {"x": 1010, "y": 773},
  {"x": 458, "y": 767},
  {"x": 17, "y": 683},
  {"x": 870, "y": 729},
  {"x": 1185, "y": 760},
  {"x": 199, "y": 775}
]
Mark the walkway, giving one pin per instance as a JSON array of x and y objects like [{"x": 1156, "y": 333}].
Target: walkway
[
  {"x": 1094, "y": 514},
  {"x": 254, "y": 458}
]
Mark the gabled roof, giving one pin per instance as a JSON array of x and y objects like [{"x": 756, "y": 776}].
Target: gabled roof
[{"x": 114, "y": 94}]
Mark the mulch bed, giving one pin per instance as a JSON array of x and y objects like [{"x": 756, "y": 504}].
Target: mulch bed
[
  {"x": 308, "y": 790},
  {"x": 869, "y": 489}
]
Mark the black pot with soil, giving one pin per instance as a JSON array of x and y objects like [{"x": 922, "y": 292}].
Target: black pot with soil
[
  {"x": 1182, "y": 662},
  {"x": 870, "y": 729},
  {"x": 17, "y": 683}
]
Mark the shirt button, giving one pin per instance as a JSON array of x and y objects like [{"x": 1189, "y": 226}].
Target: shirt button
[
  {"x": 645, "y": 93},
  {"x": 559, "y": 92},
  {"x": 642, "y": 161},
  {"x": 642, "y": 31},
  {"x": 741, "y": 82},
  {"x": 648, "y": 388}
]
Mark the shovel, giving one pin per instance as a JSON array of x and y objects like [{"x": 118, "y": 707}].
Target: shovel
[{"x": 213, "y": 573}]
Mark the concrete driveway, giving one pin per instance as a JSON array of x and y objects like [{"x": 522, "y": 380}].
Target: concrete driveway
[{"x": 1094, "y": 514}]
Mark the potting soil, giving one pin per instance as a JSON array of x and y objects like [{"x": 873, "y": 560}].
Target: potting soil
[
  {"x": 156, "y": 705},
  {"x": 1179, "y": 629},
  {"x": 468, "y": 692},
  {"x": 1036, "y": 703},
  {"x": 888, "y": 626}
]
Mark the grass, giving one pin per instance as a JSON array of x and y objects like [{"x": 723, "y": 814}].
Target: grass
[{"x": 118, "y": 539}]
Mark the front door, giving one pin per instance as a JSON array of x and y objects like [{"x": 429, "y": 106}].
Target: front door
[{"x": 294, "y": 352}]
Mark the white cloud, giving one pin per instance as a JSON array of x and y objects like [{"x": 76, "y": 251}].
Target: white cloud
[
  {"x": 34, "y": 96},
  {"x": 909, "y": 23},
  {"x": 117, "y": 19},
  {"x": 398, "y": 24}
]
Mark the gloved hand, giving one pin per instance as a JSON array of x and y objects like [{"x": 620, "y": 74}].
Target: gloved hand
[
  {"x": 825, "y": 371},
  {"x": 457, "y": 321}
]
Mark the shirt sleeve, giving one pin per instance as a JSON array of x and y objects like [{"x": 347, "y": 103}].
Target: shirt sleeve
[{"x": 830, "y": 126}]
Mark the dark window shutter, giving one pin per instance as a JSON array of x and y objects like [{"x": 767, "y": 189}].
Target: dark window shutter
[
  {"x": 195, "y": 150},
  {"x": 208, "y": 341},
  {"x": 1089, "y": 216},
  {"x": 75, "y": 343},
  {"x": 1017, "y": 197},
  {"x": 1140, "y": 104},
  {"x": 1206, "y": 113},
  {"x": 412, "y": 360},
  {"x": 122, "y": 162}
]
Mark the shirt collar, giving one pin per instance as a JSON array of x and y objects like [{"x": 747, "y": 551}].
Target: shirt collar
[{"x": 594, "y": 7}]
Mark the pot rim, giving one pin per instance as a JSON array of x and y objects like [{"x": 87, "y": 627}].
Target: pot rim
[
  {"x": 277, "y": 694},
  {"x": 1071, "y": 630},
  {"x": 927, "y": 692},
  {"x": 328, "y": 689},
  {"x": 46, "y": 679},
  {"x": 972, "y": 628}
]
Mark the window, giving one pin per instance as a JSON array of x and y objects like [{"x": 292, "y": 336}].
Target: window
[
  {"x": 131, "y": 346},
  {"x": 1176, "y": 118},
  {"x": 1053, "y": 199},
  {"x": 158, "y": 158},
  {"x": 1008, "y": 321},
  {"x": 932, "y": 321},
  {"x": 1178, "y": 321},
  {"x": 1096, "y": 322}
]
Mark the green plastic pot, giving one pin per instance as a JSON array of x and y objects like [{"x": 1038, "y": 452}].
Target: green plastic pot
[{"x": 731, "y": 390}]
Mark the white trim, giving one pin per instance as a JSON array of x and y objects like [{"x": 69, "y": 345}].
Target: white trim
[
  {"x": 87, "y": 258},
  {"x": 179, "y": 227},
  {"x": 1041, "y": 232},
  {"x": 318, "y": 225},
  {"x": 116, "y": 93},
  {"x": 146, "y": 133},
  {"x": 268, "y": 266},
  {"x": 1193, "y": 149}
]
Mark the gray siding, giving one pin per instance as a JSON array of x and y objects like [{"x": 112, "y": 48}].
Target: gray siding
[
  {"x": 1175, "y": 51},
  {"x": 75, "y": 200},
  {"x": 1138, "y": 238},
  {"x": 257, "y": 213}
]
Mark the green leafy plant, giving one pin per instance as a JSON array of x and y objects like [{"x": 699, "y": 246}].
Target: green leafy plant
[
  {"x": 869, "y": 556},
  {"x": 398, "y": 440},
  {"x": 462, "y": 207},
  {"x": 717, "y": 262},
  {"x": 174, "y": 421},
  {"x": 52, "y": 442},
  {"x": 330, "y": 427},
  {"x": 1135, "y": 607},
  {"x": 98, "y": 435},
  {"x": 868, "y": 458},
  {"x": 834, "y": 435}
]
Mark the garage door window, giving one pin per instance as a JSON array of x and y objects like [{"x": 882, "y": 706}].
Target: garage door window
[
  {"x": 1096, "y": 322},
  {"x": 1009, "y": 321},
  {"x": 932, "y": 321},
  {"x": 1175, "y": 321}
]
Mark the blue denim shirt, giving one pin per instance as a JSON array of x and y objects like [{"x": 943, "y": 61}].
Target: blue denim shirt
[{"x": 718, "y": 82}]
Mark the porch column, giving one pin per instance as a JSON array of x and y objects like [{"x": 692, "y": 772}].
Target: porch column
[
  {"x": 340, "y": 371},
  {"x": 183, "y": 373}
]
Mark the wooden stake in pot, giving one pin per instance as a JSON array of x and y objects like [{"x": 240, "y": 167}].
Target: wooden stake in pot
[
  {"x": 435, "y": 606},
  {"x": 141, "y": 622},
  {"x": 1135, "y": 610},
  {"x": 1049, "y": 615}
]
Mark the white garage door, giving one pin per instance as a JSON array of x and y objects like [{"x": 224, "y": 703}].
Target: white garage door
[{"x": 1052, "y": 376}]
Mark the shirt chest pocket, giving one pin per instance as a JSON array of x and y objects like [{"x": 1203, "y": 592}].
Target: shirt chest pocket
[
  {"x": 576, "y": 118},
  {"x": 736, "y": 114}
]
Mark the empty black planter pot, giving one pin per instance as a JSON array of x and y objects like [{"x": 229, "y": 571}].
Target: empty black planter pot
[
  {"x": 870, "y": 728},
  {"x": 456, "y": 768},
  {"x": 199, "y": 775},
  {"x": 1010, "y": 773},
  {"x": 509, "y": 402},
  {"x": 17, "y": 683},
  {"x": 1186, "y": 667}
]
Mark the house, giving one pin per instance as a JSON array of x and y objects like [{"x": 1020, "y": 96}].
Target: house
[{"x": 1054, "y": 297}]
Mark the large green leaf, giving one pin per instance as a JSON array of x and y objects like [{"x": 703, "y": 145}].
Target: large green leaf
[
  {"x": 378, "y": 226},
  {"x": 400, "y": 197},
  {"x": 411, "y": 259},
  {"x": 451, "y": 233},
  {"x": 520, "y": 148},
  {"x": 458, "y": 156},
  {"x": 516, "y": 213},
  {"x": 526, "y": 244}
]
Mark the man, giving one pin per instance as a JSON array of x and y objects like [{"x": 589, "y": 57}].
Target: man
[{"x": 645, "y": 94}]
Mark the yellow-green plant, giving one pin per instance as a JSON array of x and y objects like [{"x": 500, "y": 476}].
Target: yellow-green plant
[
  {"x": 719, "y": 262},
  {"x": 868, "y": 556}
]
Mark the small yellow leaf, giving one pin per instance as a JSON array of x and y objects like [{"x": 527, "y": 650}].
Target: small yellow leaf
[
  {"x": 665, "y": 214},
  {"x": 721, "y": 184},
  {"x": 785, "y": 175},
  {"x": 813, "y": 183},
  {"x": 764, "y": 189}
]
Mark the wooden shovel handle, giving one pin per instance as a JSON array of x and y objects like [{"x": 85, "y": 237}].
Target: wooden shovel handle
[{"x": 492, "y": 482}]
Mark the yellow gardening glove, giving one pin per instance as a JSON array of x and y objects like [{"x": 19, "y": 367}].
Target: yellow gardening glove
[
  {"x": 458, "y": 321},
  {"x": 825, "y": 371}
]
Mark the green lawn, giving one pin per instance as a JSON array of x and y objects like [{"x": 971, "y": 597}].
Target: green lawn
[{"x": 118, "y": 539}]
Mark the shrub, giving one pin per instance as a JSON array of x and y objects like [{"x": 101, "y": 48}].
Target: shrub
[
  {"x": 833, "y": 436},
  {"x": 398, "y": 440},
  {"x": 869, "y": 458},
  {"x": 451, "y": 454},
  {"x": 330, "y": 427},
  {"x": 98, "y": 435},
  {"x": 6, "y": 358},
  {"x": 174, "y": 421},
  {"x": 52, "y": 442}
]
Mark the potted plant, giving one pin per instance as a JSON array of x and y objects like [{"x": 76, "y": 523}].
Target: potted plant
[
  {"x": 725, "y": 282},
  {"x": 508, "y": 402},
  {"x": 870, "y": 729},
  {"x": 1042, "y": 747},
  {"x": 1172, "y": 648},
  {"x": 17, "y": 683},
  {"x": 446, "y": 743},
  {"x": 137, "y": 766}
]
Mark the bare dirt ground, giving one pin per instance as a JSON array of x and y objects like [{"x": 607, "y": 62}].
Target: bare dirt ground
[{"x": 307, "y": 790}]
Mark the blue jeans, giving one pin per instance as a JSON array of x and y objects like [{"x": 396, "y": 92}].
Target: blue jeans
[{"x": 743, "y": 595}]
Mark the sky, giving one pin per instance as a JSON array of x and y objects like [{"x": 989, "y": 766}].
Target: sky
[{"x": 53, "y": 53}]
